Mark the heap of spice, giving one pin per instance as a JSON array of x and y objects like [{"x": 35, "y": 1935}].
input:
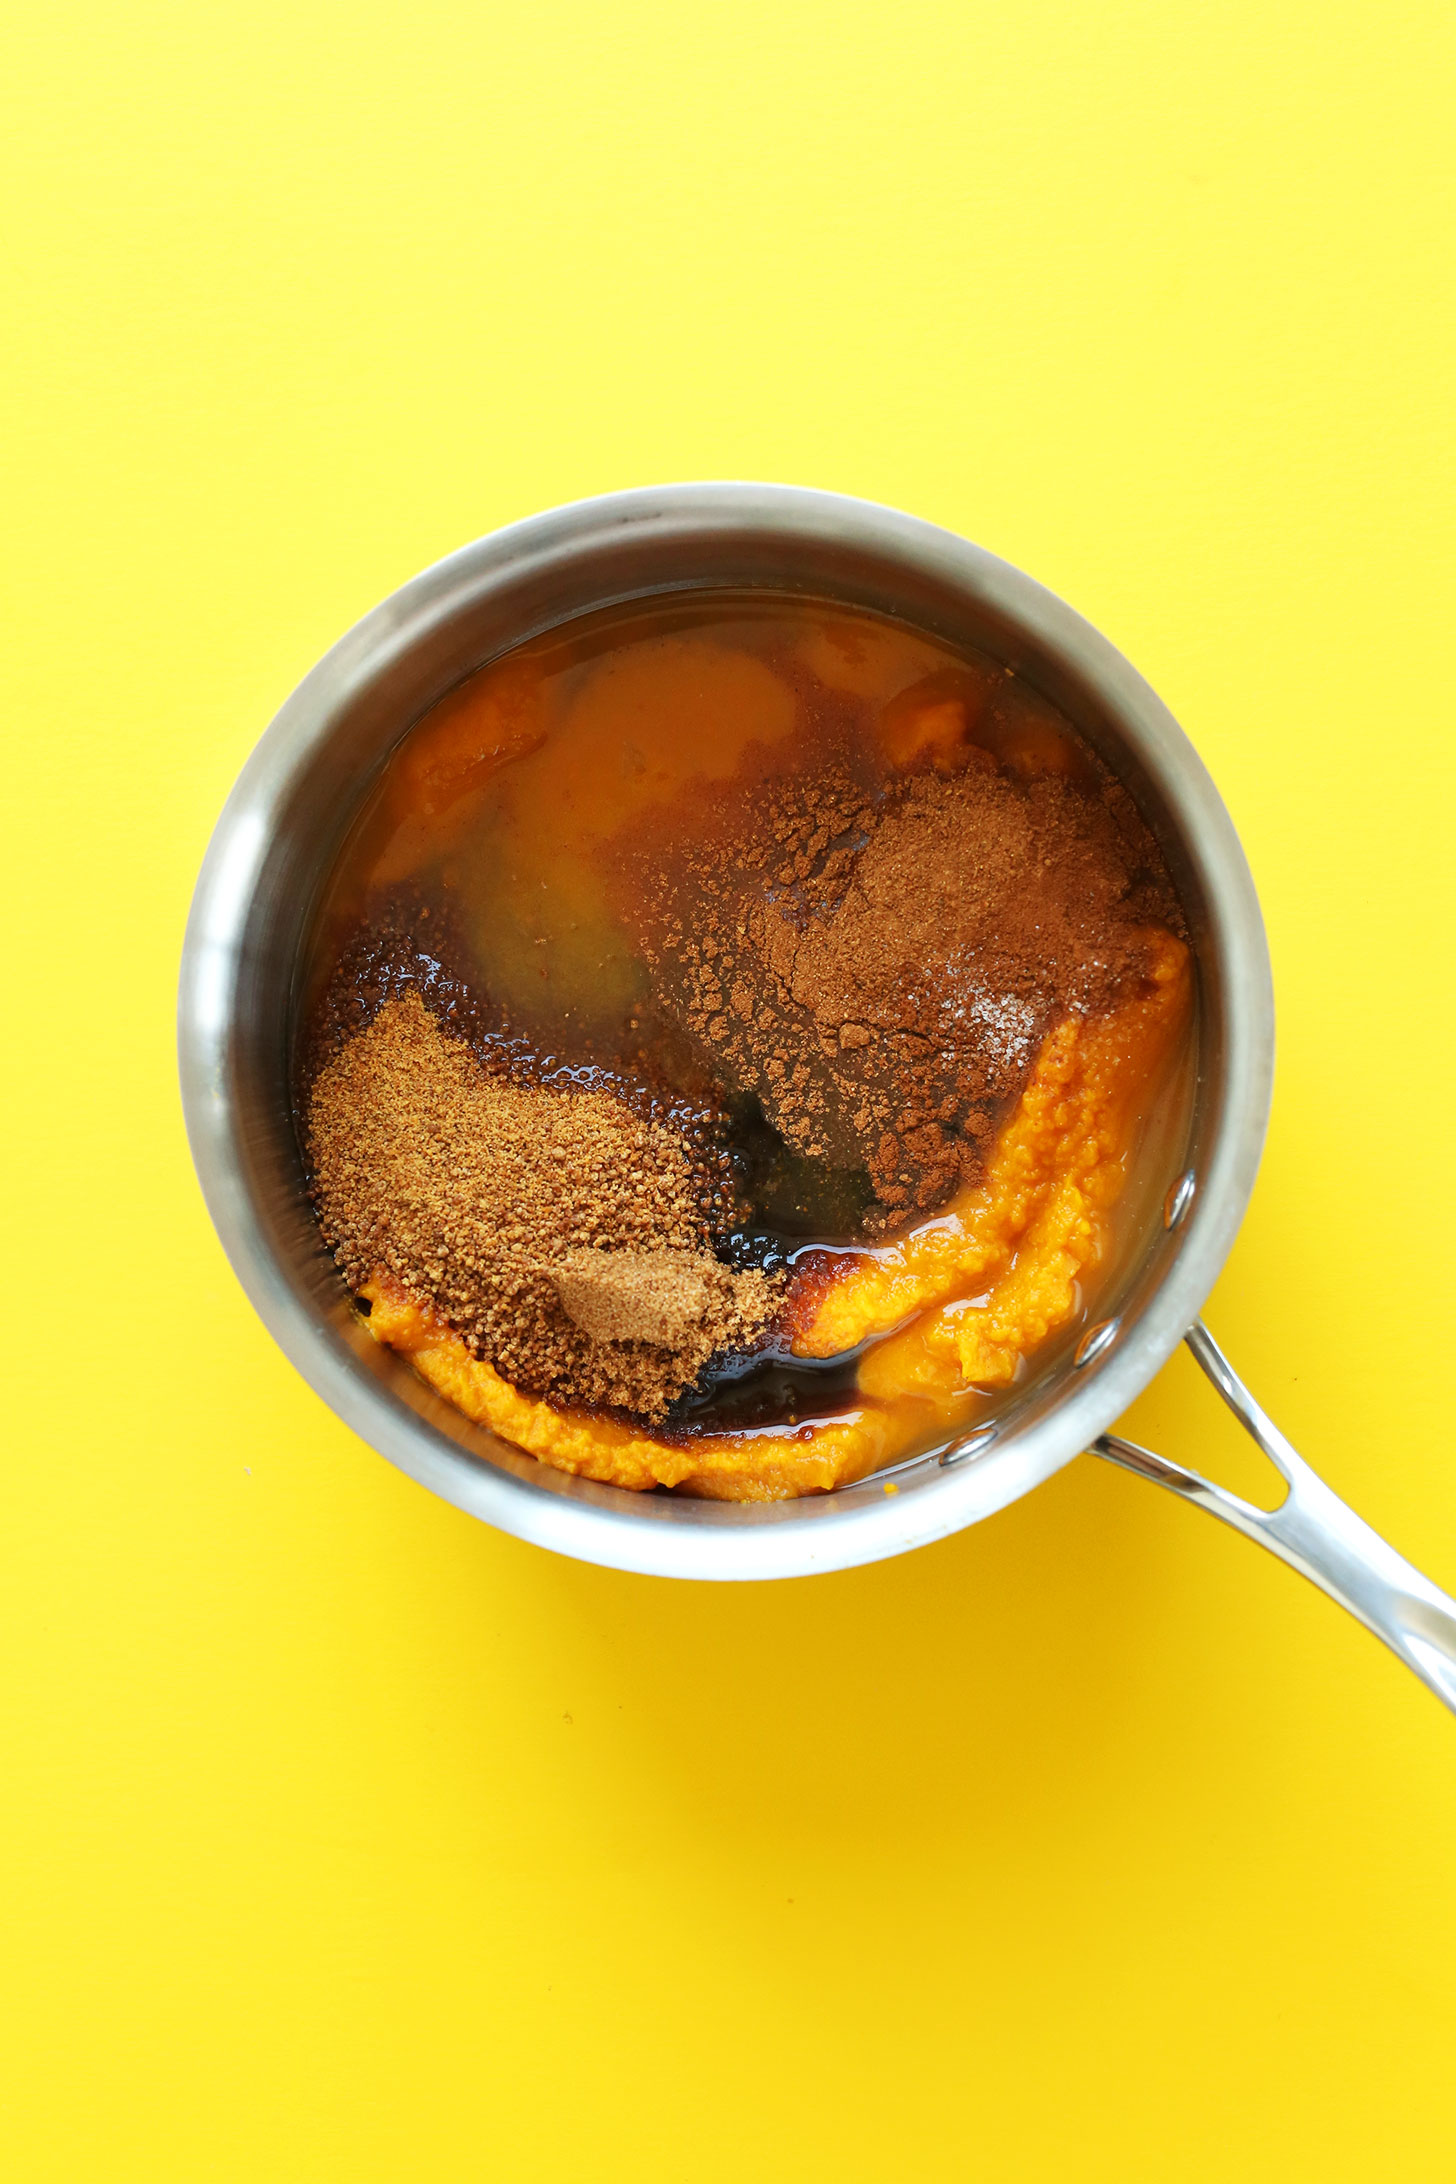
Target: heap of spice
[
  {"x": 563, "y": 1235},
  {"x": 879, "y": 961}
]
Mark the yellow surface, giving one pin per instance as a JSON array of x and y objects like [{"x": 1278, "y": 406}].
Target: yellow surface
[{"x": 343, "y": 1839}]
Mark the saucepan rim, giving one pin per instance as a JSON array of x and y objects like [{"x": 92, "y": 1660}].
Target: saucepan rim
[{"x": 662, "y": 1534}]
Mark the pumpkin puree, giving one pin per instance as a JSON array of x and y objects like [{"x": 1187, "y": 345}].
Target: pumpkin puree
[{"x": 961, "y": 1299}]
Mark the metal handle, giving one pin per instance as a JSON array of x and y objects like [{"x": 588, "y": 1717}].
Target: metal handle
[{"x": 1314, "y": 1532}]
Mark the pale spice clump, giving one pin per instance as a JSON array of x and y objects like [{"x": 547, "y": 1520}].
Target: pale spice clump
[
  {"x": 562, "y": 1235},
  {"x": 660, "y": 1297}
]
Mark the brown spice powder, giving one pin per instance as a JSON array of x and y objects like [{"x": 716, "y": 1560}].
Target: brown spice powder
[
  {"x": 880, "y": 963},
  {"x": 495, "y": 1200}
]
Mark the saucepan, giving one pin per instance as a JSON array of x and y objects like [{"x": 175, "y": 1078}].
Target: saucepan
[{"x": 248, "y": 936}]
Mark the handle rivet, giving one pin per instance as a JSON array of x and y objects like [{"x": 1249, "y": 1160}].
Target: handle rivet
[
  {"x": 972, "y": 1445},
  {"x": 1095, "y": 1341},
  {"x": 1179, "y": 1199}
]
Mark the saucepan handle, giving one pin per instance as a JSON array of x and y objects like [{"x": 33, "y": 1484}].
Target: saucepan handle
[{"x": 1315, "y": 1533}]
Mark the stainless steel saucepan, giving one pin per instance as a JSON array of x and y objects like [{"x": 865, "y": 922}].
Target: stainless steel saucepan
[{"x": 251, "y": 919}]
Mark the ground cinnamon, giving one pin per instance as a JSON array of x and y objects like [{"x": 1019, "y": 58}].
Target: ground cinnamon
[{"x": 879, "y": 961}]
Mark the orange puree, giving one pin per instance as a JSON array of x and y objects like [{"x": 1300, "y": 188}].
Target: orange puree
[
  {"x": 773, "y": 1463},
  {"x": 960, "y": 1300}
]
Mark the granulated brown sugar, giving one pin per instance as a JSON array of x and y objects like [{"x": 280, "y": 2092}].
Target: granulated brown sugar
[
  {"x": 489, "y": 1199},
  {"x": 879, "y": 962}
]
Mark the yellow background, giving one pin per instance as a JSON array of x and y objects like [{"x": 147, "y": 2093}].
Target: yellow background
[{"x": 342, "y": 1838}]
